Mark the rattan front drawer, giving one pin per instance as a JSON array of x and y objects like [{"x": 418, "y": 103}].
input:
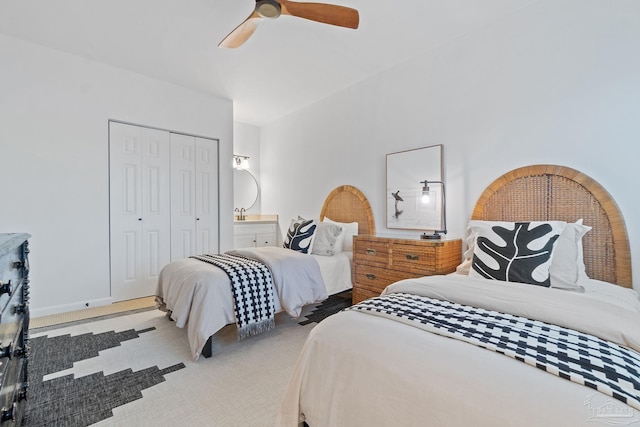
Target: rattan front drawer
[
  {"x": 413, "y": 258},
  {"x": 373, "y": 278},
  {"x": 371, "y": 252}
]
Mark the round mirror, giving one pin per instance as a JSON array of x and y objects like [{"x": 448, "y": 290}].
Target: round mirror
[{"x": 245, "y": 189}]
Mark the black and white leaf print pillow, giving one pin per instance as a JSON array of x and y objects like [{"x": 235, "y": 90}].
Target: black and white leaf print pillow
[
  {"x": 300, "y": 235},
  {"x": 514, "y": 251}
]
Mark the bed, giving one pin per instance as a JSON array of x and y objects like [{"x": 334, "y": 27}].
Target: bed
[
  {"x": 373, "y": 364},
  {"x": 198, "y": 295}
]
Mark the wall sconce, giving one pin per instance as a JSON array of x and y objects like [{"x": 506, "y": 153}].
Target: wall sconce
[
  {"x": 427, "y": 199},
  {"x": 240, "y": 162}
]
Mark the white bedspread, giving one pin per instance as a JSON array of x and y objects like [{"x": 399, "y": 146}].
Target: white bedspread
[
  {"x": 361, "y": 370},
  {"x": 199, "y": 295},
  {"x": 336, "y": 271}
]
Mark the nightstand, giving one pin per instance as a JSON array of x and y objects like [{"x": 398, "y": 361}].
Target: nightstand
[{"x": 380, "y": 261}]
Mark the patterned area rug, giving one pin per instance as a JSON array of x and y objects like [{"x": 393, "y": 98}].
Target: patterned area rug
[
  {"x": 331, "y": 305},
  {"x": 83, "y": 374}
]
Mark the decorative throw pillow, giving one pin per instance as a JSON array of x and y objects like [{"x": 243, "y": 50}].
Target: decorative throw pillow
[
  {"x": 345, "y": 240},
  {"x": 300, "y": 235},
  {"x": 324, "y": 242},
  {"x": 567, "y": 266},
  {"x": 467, "y": 256},
  {"x": 514, "y": 251}
]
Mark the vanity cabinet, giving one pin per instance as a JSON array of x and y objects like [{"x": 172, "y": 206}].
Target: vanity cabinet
[{"x": 254, "y": 233}]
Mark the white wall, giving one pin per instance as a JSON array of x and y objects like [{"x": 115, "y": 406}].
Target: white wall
[
  {"x": 557, "y": 83},
  {"x": 54, "y": 112}
]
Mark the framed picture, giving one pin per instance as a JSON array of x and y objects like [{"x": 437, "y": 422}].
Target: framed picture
[{"x": 411, "y": 204}]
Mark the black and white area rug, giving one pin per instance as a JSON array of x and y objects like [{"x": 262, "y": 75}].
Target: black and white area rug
[
  {"x": 136, "y": 370},
  {"x": 331, "y": 305}
]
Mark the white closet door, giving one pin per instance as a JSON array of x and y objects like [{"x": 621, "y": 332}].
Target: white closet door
[
  {"x": 207, "y": 196},
  {"x": 125, "y": 145},
  {"x": 194, "y": 196},
  {"x": 139, "y": 209},
  {"x": 156, "y": 208},
  {"x": 183, "y": 197}
]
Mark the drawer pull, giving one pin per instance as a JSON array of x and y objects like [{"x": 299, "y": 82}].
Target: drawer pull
[
  {"x": 370, "y": 251},
  {"x": 412, "y": 257},
  {"x": 22, "y": 394},
  {"x": 21, "y": 265},
  {"x": 20, "y": 309},
  {"x": 5, "y": 288},
  {"x": 6, "y": 352},
  {"x": 8, "y": 414},
  {"x": 20, "y": 352},
  {"x": 371, "y": 276}
]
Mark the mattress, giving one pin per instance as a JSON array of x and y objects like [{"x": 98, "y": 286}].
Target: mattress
[
  {"x": 199, "y": 298},
  {"x": 358, "y": 369}
]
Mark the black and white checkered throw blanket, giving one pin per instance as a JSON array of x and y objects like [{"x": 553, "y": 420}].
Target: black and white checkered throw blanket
[
  {"x": 252, "y": 287},
  {"x": 585, "y": 359}
]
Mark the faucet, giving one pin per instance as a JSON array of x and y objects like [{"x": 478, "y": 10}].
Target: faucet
[{"x": 241, "y": 216}]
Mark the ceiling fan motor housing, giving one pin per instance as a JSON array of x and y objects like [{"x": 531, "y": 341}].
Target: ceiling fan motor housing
[{"x": 269, "y": 9}]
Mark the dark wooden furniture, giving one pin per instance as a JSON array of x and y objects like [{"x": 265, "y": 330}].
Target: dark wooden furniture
[
  {"x": 380, "y": 261},
  {"x": 14, "y": 326}
]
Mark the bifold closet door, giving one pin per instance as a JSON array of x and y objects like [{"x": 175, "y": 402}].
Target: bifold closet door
[
  {"x": 194, "y": 196},
  {"x": 140, "y": 213}
]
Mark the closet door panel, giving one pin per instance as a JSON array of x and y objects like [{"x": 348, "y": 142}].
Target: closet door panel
[
  {"x": 207, "y": 195},
  {"x": 139, "y": 209},
  {"x": 156, "y": 207},
  {"x": 183, "y": 197},
  {"x": 125, "y": 145}
]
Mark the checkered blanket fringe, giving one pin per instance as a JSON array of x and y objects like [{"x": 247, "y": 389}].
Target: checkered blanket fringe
[
  {"x": 252, "y": 286},
  {"x": 584, "y": 359}
]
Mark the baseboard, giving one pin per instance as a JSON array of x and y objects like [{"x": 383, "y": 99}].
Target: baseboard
[{"x": 81, "y": 305}]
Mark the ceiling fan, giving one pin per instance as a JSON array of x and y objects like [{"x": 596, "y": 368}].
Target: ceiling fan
[{"x": 271, "y": 9}]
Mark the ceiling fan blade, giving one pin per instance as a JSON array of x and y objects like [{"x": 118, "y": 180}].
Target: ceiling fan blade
[
  {"x": 242, "y": 32},
  {"x": 341, "y": 16}
]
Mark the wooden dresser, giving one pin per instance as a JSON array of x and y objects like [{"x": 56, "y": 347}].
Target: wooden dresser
[
  {"x": 14, "y": 326},
  {"x": 380, "y": 261}
]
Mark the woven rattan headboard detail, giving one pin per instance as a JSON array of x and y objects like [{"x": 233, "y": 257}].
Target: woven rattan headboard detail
[
  {"x": 548, "y": 192},
  {"x": 347, "y": 204}
]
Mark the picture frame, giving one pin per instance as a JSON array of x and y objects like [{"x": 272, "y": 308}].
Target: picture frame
[{"x": 406, "y": 172}]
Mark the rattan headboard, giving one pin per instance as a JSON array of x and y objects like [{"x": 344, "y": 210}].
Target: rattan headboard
[
  {"x": 347, "y": 204},
  {"x": 548, "y": 192}
]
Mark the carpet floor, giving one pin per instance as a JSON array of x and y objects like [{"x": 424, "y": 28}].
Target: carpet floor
[{"x": 135, "y": 369}]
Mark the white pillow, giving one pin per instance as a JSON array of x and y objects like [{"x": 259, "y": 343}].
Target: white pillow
[
  {"x": 514, "y": 251},
  {"x": 325, "y": 237},
  {"x": 345, "y": 240},
  {"x": 567, "y": 266}
]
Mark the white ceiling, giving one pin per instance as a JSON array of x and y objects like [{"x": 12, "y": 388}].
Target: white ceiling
[{"x": 287, "y": 64}]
